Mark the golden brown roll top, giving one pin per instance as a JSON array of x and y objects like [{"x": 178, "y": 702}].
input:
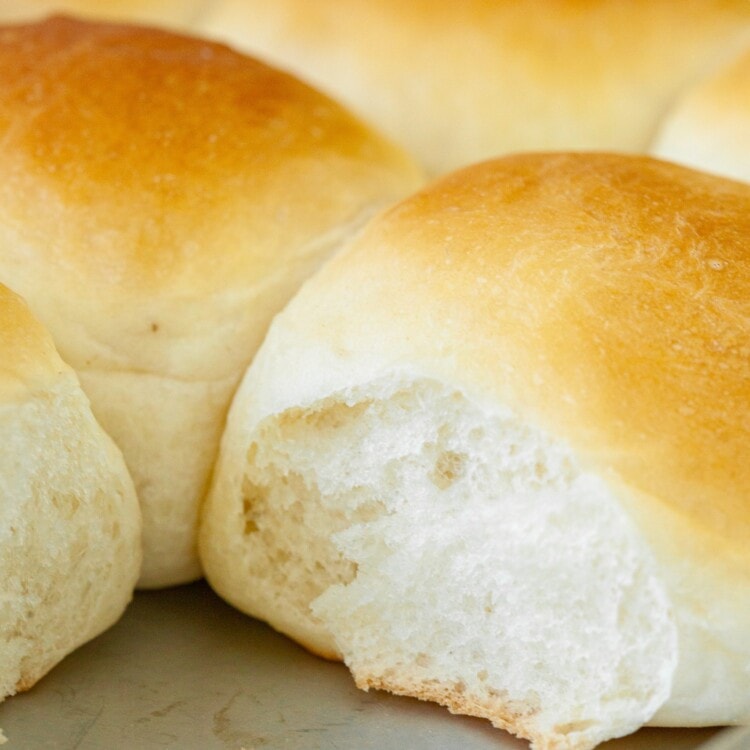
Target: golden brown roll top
[
  {"x": 152, "y": 150},
  {"x": 162, "y": 197}
]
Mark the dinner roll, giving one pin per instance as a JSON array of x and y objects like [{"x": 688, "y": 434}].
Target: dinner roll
[
  {"x": 69, "y": 519},
  {"x": 161, "y": 198},
  {"x": 496, "y": 454},
  {"x": 709, "y": 127},
  {"x": 460, "y": 81}
]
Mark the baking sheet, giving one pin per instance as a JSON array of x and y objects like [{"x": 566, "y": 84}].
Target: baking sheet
[{"x": 184, "y": 670}]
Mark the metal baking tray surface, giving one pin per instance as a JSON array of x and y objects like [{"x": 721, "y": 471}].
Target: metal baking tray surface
[{"x": 184, "y": 670}]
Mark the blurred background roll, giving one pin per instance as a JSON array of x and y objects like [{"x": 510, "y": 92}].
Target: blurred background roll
[
  {"x": 708, "y": 127},
  {"x": 456, "y": 82}
]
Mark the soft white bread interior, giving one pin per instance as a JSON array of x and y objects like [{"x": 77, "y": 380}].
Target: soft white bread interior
[
  {"x": 497, "y": 452},
  {"x": 708, "y": 127},
  {"x": 70, "y": 526},
  {"x": 161, "y": 198},
  {"x": 456, "y": 82}
]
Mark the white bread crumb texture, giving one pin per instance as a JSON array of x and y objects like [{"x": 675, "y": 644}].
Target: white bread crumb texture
[
  {"x": 69, "y": 534},
  {"x": 457, "y": 556}
]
